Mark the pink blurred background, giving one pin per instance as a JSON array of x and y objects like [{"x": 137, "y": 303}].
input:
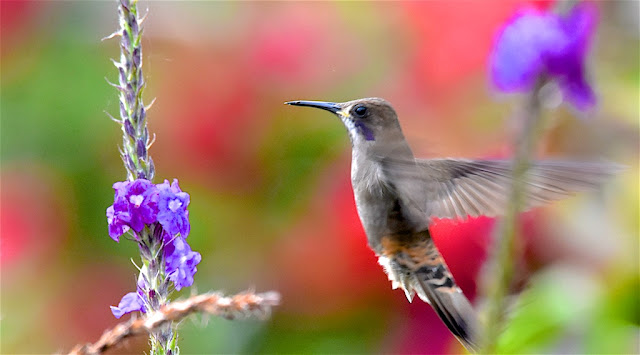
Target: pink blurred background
[{"x": 272, "y": 206}]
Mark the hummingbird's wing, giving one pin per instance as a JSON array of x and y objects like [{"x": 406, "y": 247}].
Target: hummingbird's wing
[{"x": 457, "y": 188}]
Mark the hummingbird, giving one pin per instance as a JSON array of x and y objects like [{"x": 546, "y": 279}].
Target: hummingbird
[{"x": 397, "y": 195}]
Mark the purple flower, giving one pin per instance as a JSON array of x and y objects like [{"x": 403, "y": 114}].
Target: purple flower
[
  {"x": 117, "y": 219},
  {"x": 141, "y": 201},
  {"x": 172, "y": 209},
  {"x": 533, "y": 43},
  {"x": 116, "y": 225},
  {"x": 131, "y": 302},
  {"x": 135, "y": 204},
  {"x": 180, "y": 262}
]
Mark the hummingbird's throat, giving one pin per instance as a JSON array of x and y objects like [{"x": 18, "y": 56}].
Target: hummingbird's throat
[{"x": 357, "y": 129}]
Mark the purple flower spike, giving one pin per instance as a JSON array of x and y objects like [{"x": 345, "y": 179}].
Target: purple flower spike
[
  {"x": 131, "y": 302},
  {"x": 533, "y": 43},
  {"x": 181, "y": 262},
  {"x": 172, "y": 209}
]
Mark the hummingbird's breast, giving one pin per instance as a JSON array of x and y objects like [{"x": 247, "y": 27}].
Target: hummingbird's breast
[{"x": 380, "y": 209}]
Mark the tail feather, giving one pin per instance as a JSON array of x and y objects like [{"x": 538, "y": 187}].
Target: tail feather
[
  {"x": 453, "y": 308},
  {"x": 418, "y": 267}
]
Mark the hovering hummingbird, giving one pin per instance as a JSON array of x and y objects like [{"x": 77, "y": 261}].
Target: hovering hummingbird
[{"x": 397, "y": 195}]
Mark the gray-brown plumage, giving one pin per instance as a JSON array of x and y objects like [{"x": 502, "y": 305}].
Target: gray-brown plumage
[{"x": 397, "y": 195}]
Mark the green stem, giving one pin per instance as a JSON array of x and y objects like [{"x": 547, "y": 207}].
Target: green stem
[{"x": 502, "y": 271}]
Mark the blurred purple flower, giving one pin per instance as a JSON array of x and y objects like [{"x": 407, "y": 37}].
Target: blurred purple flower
[
  {"x": 180, "y": 261},
  {"x": 172, "y": 209},
  {"x": 134, "y": 205},
  {"x": 131, "y": 302},
  {"x": 533, "y": 43}
]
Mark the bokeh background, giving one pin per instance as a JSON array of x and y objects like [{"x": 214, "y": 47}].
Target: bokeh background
[{"x": 272, "y": 207}]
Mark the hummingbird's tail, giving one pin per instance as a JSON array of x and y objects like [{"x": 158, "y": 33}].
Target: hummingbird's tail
[
  {"x": 436, "y": 286},
  {"x": 417, "y": 267}
]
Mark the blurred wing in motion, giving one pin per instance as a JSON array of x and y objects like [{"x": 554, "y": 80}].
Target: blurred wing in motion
[{"x": 457, "y": 188}]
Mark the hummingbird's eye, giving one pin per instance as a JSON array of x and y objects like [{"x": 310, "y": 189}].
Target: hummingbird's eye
[{"x": 360, "y": 111}]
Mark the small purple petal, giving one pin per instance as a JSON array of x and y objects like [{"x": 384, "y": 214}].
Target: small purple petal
[
  {"x": 131, "y": 302},
  {"x": 121, "y": 187},
  {"x": 116, "y": 226},
  {"x": 175, "y": 187},
  {"x": 181, "y": 262},
  {"x": 117, "y": 214},
  {"x": 172, "y": 209}
]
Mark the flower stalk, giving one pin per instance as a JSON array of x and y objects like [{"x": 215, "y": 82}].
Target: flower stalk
[
  {"x": 533, "y": 49},
  {"x": 135, "y": 207},
  {"x": 133, "y": 115},
  {"x": 505, "y": 239}
]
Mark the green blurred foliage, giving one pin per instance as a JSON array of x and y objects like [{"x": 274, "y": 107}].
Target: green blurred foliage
[{"x": 561, "y": 301}]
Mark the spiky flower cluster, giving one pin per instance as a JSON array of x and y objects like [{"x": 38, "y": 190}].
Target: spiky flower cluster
[
  {"x": 133, "y": 114},
  {"x": 155, "y": 215},
  {"x": 157, "y": 218}
]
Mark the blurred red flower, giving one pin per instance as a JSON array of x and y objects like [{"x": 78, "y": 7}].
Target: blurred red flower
[
  {"x": 14, "y": 20},
  {"x": 325, "y": 264},
  {"x": 453, "y": 40},
  {"x": 286, "y": 47},
  {"x": 33, "y": 218},
  {"x": 211, "y": 127}
]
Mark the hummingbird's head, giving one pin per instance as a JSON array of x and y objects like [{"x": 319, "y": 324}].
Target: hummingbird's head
[{"x": 367, "y": 120}]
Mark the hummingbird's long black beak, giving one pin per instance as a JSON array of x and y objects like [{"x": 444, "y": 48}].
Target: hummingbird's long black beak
[{"x": 329, "y": 106}]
